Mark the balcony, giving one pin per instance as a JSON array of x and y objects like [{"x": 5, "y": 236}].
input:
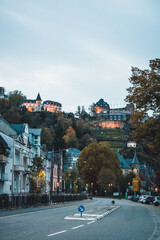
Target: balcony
[
  {"x": 19, "y": 168},
  {"x": 27, "y": 169},
  {"x": 3, "y": 159},
  {"x": 3, "y": 177}
]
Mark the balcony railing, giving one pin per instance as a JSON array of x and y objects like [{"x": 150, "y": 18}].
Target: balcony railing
[
  {"x": 19, "y": 168},
  {"x": 26, "y": 169},
  {"x": 3, "y": 176},
  {"x": 3, "y": 159}
]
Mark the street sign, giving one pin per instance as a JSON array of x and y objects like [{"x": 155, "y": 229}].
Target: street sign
[
  {"x": 135, "y": 184},
  {"x": 143, "y": 183},
  {"x": 81, "y": 208}
]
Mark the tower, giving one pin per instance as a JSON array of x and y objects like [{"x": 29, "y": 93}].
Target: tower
[
  {"x": 38, "y": 103},
  {"x": 135, "y": 165}
]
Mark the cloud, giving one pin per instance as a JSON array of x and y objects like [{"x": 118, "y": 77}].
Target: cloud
[{"x": 25, "y": 20}]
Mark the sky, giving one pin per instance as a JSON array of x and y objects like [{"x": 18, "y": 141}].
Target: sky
[{"x": 76, "y": 52}]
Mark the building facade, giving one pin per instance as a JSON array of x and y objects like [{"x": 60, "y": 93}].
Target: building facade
[
  {"x": 19, "y": 144},
  {"x": 111, "y": 118},
  {"x": 37, "y": 105}
]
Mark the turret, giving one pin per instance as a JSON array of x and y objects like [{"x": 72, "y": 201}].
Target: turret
[{"x": 135, "y": 165}]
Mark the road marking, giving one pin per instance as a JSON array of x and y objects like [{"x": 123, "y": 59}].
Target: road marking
[
  {"x": 77, "y": 226},
  {"x": 52, "y": 234},
  {"x": 91, "y": 222}
]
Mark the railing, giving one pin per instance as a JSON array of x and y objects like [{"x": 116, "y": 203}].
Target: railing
[
  {"x": 19, "y": 201},
  {"x": 19, "y": 168}
]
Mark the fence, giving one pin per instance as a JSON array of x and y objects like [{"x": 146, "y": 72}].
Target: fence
[{"x": 20, "y": 201}]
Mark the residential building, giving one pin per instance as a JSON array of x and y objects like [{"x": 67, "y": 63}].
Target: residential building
[
  {"x": 33, "y": 105},
  {"x": 52, "y": 106},
  {"x": 6, "y": 163},
  {"x": 111, "y": 118},
  {"x": 16, "y": 137},
  {"x": 35, "y": 141},
  {"x": 19, "y": 144},
  {"x": 133, "y": 165},
  {"x": 56, "y": 167},
  {"x": 21, "y": 159},
  {"x": 71, "y": 157},
  {"x": 37, "y": 105}
]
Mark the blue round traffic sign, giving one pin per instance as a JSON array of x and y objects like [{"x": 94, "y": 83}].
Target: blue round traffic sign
[{"x": 81, "y": 208}]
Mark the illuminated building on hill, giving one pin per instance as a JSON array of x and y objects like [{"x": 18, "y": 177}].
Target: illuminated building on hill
[
  {"x": 37, "y": 105},
  {"x": 111, "y": 118}
]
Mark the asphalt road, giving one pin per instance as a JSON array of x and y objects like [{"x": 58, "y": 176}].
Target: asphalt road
[{"x": 131, "y": 221}]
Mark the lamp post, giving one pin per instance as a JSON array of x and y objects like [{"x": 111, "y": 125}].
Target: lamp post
[{"x": 57, "y": 187}]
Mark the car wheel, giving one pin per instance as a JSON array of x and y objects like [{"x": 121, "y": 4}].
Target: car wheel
[{"x": 156, "y": 204}]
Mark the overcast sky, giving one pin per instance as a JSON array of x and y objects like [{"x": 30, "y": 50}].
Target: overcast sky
[{"x": 76, "y": 51}]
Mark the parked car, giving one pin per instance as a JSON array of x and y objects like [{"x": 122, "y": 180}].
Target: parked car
[
  {"x": 156, "y": 201},
  {"x": 135, "y": 199},
  {"x": 142, "y": 198},
  {"x": 149, "y": 200}
]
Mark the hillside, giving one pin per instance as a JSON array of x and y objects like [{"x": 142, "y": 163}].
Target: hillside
[{"x": 115, "y": 137}]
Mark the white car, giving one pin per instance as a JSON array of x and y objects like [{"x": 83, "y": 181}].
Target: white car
[
  {"x": 142, "y": 198},
  {"x": 156, "y": 201}
]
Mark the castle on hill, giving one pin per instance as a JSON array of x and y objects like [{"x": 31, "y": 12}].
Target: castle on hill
[{"x": 37, "y": 105}]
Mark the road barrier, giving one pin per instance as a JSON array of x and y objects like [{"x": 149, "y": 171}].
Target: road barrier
[{"x": 30, "y": 200}]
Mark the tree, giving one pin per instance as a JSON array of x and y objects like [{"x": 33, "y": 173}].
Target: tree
[
  {"x": 81, "y": 113},
  {"x": 93, "y": 159},
  {"x": 145, "y": 89},
  {"x": 2, "y": 90},
  {"x": 16, "y": 98},
  {"x": 106, "y": 178},
  {"x": 37, "y": 175},
  {"x": 145, "y": 95},
  {"x": 125, "y": 181},
  {"x": 47, "y": 137},
  {"x": 71, "y": 181},
  {"x": 70, "y": 138}
]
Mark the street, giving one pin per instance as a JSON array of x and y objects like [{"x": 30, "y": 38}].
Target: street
[{"x": 127, "y": 221}]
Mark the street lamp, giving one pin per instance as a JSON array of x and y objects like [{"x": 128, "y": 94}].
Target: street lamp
[{"x": 57, "y": 187}]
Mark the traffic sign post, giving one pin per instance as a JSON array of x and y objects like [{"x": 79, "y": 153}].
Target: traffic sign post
[
  {"x": 135, "y": 184},
  {"x": 81, "y": 209}
]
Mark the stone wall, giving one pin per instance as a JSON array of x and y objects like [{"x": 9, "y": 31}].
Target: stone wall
[{"x": 111, "y": 124}]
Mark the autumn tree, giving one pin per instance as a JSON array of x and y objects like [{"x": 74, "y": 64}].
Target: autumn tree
[
  {"x": 37, "y": 175},
  {"x": 70, "y": 138},
  {"x": 145, "y": 95},
  {"x": 94, "y": 158}
]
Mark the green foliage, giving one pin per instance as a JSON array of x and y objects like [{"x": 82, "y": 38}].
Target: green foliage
[
  {"x": 144, "y": 94},
  {"x": 145, "y": 89},
  {"x": 16, "y": 98},
  {"x": 48, "y": 138},
  {"x": 94, "y": 158},
  {"x": 81, "y": 113},
  {"x": 106, "y": 178},
  {"x": 73, "y": 183},
  {"x": 115, "y": 137},
  {"x": 4, "y": 106},
  {"x": 125, "y": 181},
  {"x": 2, "y": 90}
]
